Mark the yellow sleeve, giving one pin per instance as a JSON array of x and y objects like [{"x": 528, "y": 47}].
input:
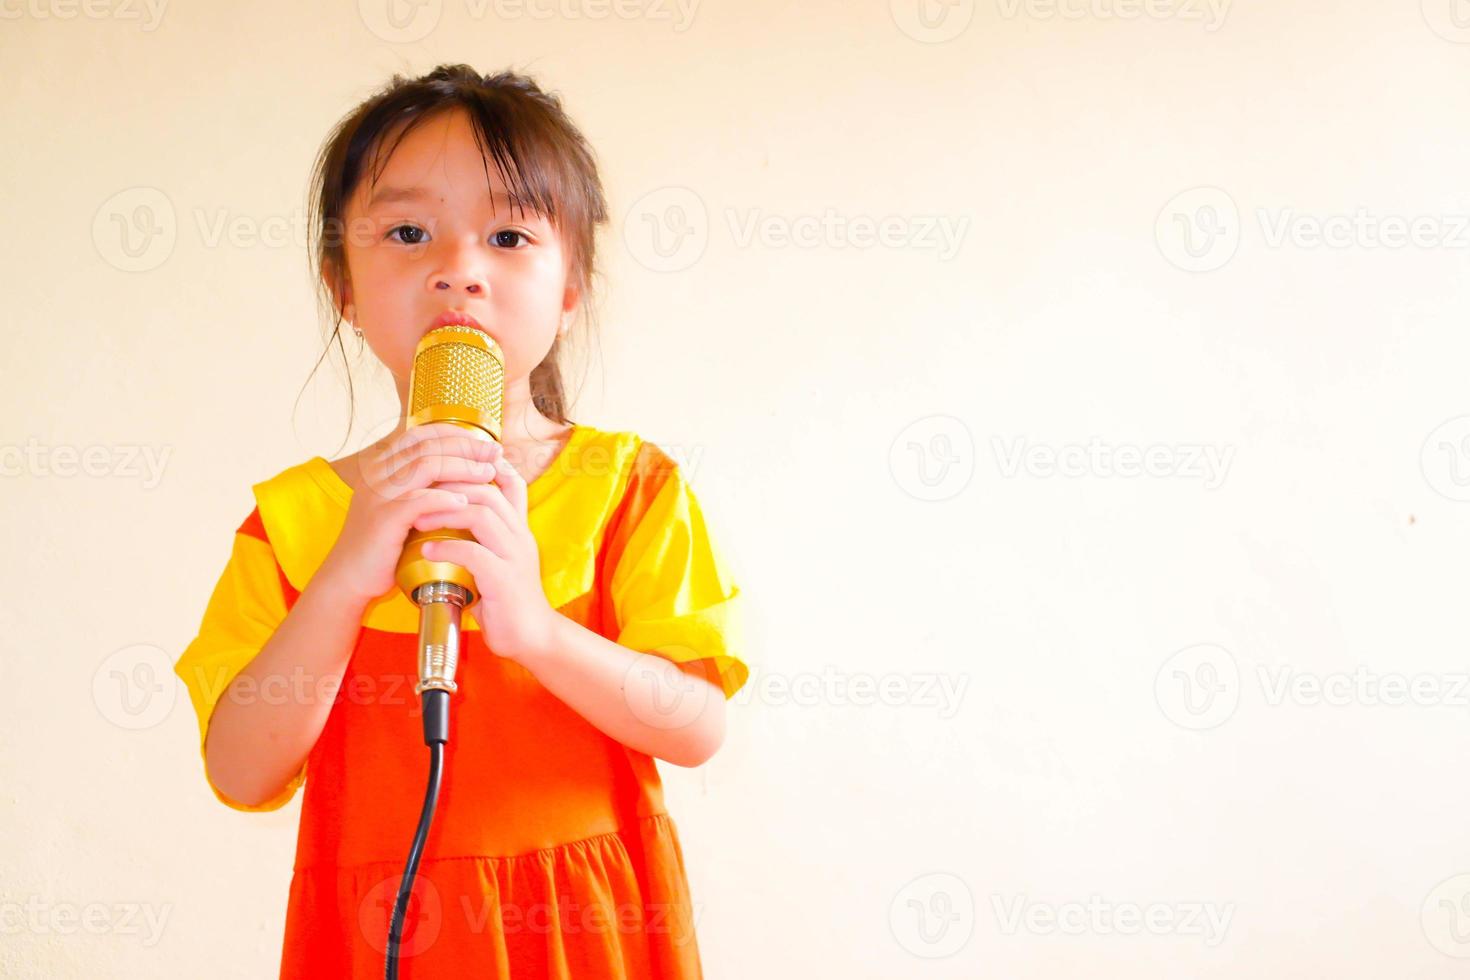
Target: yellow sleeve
[
  {"x": 672, "y": 592},
  {"x": 247, "y": 605}
]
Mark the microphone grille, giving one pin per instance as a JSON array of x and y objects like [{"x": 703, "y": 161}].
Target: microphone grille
[{"x": 458, "y": 375}]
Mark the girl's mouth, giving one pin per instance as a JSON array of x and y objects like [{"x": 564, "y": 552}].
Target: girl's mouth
[{"x": 456, "y": 318}]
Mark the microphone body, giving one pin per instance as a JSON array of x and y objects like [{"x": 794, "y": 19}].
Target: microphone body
[{"x": 458, "y": 376}]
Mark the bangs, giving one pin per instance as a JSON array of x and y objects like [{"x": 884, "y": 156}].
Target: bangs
[{"x": 535, "y": 175}]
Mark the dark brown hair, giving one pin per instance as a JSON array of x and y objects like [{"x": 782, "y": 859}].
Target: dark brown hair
[{"x": 544, "y": 160}]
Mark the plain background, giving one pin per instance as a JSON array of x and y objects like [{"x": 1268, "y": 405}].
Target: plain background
[{"x": 1158, "y": 465}]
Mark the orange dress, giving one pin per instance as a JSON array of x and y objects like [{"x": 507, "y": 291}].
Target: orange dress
[{"x": 551, "y": 852}]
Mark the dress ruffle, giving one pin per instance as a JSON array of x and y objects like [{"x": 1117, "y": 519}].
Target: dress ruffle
[{"x": 578, "y": 910}]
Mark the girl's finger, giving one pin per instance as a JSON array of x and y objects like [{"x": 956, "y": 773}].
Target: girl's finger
[
  {"x": 480, "y": 562},
  {"x": 453, "y": 493},
  {"x": 487, "y": 495},
  {"x": 488, "y": 529},
  {"x": 416, "y": 434},
  {"x": 508, "y": 479},
  {"x": 432, "y": 499},
  {"x": 434, "y": 440},
  {"x": 440, "y": 469},
  {"x": 459, "y": 446}
]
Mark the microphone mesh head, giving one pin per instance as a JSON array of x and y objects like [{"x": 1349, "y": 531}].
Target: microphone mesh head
[{"x": 458, "y": 376}]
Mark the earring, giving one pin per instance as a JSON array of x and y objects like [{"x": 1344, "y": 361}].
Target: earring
[{"x": 358, "y": 331}]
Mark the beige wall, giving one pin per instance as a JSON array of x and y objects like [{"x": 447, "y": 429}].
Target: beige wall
[{"x": 1097, "y": 689}]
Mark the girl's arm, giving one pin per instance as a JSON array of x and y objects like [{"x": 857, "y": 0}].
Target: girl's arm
[
  {"x": 675, "y": 712},
  {"x": 265, "y": 725}
]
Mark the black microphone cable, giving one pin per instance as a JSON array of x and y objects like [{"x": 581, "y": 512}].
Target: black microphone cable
[
  {"x": 436, "y": 733},
  {"x": 439, "y": 634}
]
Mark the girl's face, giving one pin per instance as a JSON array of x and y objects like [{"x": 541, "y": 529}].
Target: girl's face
[{"x": 429, "y": 238}]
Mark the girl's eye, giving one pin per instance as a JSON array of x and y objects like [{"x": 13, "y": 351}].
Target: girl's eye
[
  {"x": 414, "y": 235},
  {"x": 500, "y": 239},
  {"x": 412, "y": 230}
]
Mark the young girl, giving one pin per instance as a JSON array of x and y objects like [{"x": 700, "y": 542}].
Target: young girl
[{"x": 605, "y": 635}]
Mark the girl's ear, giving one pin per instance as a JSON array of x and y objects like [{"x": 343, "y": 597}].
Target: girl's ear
[
  {"x": 341, "y": 290},
  {"x": 570, "y": 299}
]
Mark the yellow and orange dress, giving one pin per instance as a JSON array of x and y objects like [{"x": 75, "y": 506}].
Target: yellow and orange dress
[{"x": 551, "y": 852}]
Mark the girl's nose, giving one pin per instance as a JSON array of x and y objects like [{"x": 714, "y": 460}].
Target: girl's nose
[{"x": 471, "y": 286}]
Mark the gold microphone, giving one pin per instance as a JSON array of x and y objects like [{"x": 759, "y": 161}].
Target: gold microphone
[{"x": 458, "y": 376}]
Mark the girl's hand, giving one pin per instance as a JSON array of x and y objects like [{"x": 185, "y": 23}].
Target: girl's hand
[
  {"x": 514, "y": 615},
  {"x": 403, "y": 481}
]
